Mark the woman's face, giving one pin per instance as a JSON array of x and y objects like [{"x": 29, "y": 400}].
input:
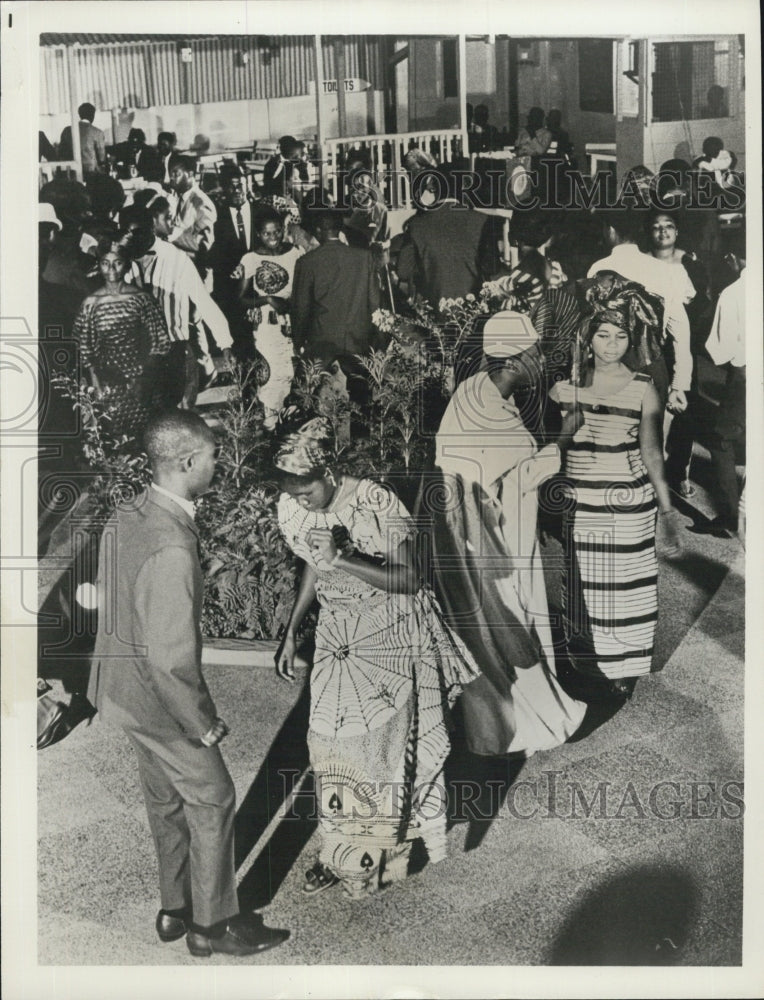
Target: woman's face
[
  {"x": 663, "y": 233},
  {"x": 112, "y": 266},
  {"x": 271, "y": 234},
  {"x": 609, "y": 343},
  {"x": 314, "y": 495}
]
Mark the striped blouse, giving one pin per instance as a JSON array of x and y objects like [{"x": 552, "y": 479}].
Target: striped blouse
[{"x": 606, "y": 446}]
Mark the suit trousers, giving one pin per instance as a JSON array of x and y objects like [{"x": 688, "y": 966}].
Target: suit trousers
[{"x": 191, "y": 805}]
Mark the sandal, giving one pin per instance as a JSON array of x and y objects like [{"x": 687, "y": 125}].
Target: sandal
[
  {"x": 318, "y": 878},
  {"x": 685, "y": 489}
]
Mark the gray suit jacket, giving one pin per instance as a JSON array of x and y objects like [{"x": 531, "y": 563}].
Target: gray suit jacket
[{"x": 146, "y": 671}]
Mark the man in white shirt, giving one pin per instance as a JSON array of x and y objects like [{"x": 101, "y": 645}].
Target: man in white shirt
[
  {"x": 194, "y": 218},
  {"x": 622, "y": 229},
  {"x": 187, "y": 305},
  {"x": 726, "y": 345}
]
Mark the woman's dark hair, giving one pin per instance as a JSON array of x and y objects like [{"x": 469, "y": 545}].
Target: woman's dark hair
[
  {"x": 109, "y": 243},
  {"x": 655, "y": 213}
]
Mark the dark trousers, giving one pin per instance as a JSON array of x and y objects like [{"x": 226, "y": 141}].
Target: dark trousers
[
  {"x": 191, "y": 804},
  {"x": 728, "y": 436}
]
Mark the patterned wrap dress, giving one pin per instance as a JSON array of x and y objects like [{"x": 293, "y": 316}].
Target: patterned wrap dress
[
  {"x": 385, "y": 672},
  {"x": 122, "y": 338},
  {"x": 273, "y": 275},
  {"x": 610, "y": 604}
]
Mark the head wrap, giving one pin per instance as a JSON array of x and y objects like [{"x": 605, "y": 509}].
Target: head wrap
[
  {"x": 507, "y": 334},
  {"x": 610, "y": 298},
  {"x": 307, "y": 451}
]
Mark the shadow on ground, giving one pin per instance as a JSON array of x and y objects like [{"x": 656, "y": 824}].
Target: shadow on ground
[{"x": 642, "y": 917}]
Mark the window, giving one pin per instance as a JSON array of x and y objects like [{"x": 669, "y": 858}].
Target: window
[
  {"x": 691, "y": 80},
  {"x": 595, "y": 75},
  {"x": 450, "y": 68}
]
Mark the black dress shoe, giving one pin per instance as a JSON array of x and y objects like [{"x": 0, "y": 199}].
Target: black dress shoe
[
  {"x": 170, "y": 928},
  {"x": 240, "y": 939}
]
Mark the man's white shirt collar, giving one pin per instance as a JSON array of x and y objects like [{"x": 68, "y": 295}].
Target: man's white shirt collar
[{"x": 186, "y": 505}]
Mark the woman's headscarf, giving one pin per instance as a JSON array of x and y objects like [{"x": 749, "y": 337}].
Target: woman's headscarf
[
  {"x": 308, "y": 450},
  {"x": 610, "y": 298}
]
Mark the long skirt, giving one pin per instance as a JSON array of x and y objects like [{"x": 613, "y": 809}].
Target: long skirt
[
  {"x": 495, "y": 601},
  {"x": 384, "y": 674},
  {"x": 610, "y": 600},
  {"x": 278, "y": 351}
]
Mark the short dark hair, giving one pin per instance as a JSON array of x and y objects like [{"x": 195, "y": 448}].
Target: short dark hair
[
  {"x": 327, "y": 218},
  {"x": 266, "y": 214},
  {"x": 627, "y": 222},
  {"x": 173, "y": 434},
  {"x": 136, "y": 133},
  {"x": 712, "y": 146},
  {"x": 87, "y": 111},
  {"x": 169, "y": 136},
  {"x": 287, "y": 143},
  {"x": 184, "y": 161}
]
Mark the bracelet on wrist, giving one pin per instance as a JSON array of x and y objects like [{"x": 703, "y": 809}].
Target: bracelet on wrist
[{"x": 668, "y": 510}]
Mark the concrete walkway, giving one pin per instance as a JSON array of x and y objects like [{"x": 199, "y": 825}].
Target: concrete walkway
[{"x": 652, "y": 875}]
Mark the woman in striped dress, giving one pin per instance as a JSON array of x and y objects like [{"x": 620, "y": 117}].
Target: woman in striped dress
[{"x": 617, "y": 485}]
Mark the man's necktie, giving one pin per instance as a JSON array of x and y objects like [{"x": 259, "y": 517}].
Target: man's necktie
[{"x": 240, "y": 227}]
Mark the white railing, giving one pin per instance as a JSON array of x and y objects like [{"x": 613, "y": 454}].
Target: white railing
[{"x": 387, "y": 153}]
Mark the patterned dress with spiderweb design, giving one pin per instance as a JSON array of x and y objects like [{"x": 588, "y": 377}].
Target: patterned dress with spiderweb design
[{"x": 385, "y": 672}]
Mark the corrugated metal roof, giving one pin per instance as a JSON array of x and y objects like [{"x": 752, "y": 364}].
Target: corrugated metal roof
[
  {"x": 142, "y": 74},
  {"x": 51, "y": 38}
]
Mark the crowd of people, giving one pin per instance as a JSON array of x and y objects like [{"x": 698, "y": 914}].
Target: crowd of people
[{"x": 583, "y": 377}]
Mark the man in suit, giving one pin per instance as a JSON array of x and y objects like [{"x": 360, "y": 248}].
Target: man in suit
[
  {"x": 334, "y": 294},
  {"x": 284, "y": 172},
  {"x": 147, "y": 679},
  {"x": 165, "y": 149},
  {"x": 136, "y": 153},
  {"x": 234, "y": 233},
  {"x": 92, "y": 142}
]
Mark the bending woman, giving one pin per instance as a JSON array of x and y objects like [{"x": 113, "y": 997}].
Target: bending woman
[
  {"x": 384, "y": 671},
  {"x": 489, "y": 573},
  {"x": 617, "y": 486}
]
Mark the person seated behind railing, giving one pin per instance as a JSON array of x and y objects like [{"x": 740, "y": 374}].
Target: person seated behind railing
[
  {"x": 483, "y": 137},
  {"x": 366, "y": 219}
]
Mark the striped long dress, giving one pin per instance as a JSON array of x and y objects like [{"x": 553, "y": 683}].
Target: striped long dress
[{"x": 610, "y": 585}]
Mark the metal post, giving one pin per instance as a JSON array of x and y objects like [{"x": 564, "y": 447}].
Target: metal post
[
  {"x": 339, "y": 71},
  {"x": 75, "y": 115},
  {"x": 319, "y": 81},
  {"x": 463, "y": 93}
]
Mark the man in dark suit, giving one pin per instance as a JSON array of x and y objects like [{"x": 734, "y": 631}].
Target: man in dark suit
[
  {"x": 334, "y": 294},
  {"x": 92, "y": 141},
  {"x": 284, "y": 172},
  {"x": 147, "y": 679},
  {"x": 136, "y": 153},
  {"x": 234, "y": 236}
]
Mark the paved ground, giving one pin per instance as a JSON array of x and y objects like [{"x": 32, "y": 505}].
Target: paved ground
[{"x": 639, "y": 880}]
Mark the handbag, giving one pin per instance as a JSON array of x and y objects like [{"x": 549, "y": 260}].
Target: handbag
[{"x": 56, "y": 719}]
